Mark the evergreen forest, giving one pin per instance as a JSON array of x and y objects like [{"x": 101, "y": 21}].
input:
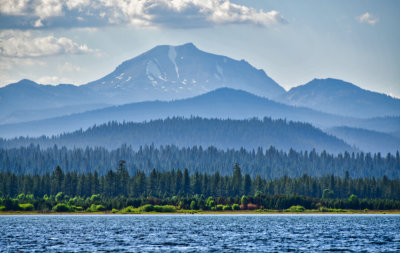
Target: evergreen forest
[
  {"x": 117, "y": 190},
  {"x": 267, "y": 163}
]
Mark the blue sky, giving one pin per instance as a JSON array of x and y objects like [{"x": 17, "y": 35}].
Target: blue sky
[{"x": 79, "y": 41}]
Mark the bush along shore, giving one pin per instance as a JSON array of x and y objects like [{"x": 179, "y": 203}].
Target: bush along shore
[
  {"x": 259, "y": 203},
  {"x": 179, "y": 192}
]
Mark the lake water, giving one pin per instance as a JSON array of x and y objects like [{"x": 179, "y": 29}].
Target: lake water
[{"x": 193, "y": 233}]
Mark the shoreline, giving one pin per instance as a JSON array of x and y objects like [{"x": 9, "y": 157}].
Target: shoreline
[{"x": 242, "y": 212}]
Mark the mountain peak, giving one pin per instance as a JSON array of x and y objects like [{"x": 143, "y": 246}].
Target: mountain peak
[
  {"x": 173, "y": 72},
  {"x": 343, "y": 98},
  {"x": 24, "y": 83},
  {"x": 188, "y": 45}
]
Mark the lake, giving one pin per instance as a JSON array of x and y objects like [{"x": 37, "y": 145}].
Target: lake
[{"x": 193, "y": 233}]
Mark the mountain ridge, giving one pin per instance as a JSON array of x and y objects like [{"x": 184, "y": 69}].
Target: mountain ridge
[
  {"x": 342, "y": 98},
  {"x": 195, "y": 131},
  {"x": 223, "y": 103}
]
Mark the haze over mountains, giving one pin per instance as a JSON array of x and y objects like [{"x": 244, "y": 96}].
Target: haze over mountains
[{"x": 190, "y": 82}]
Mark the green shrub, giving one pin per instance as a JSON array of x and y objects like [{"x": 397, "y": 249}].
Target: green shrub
[
  {"x": 244, "y": 201},
  {"x": 193, "y": 205},
  {"x": 210, "y": 202},
  {"x": 114, "y": 210},
  {"x": 227, "y": 207},
  {"x": 26, "y": 207},
  {"x": 2, "y": 208},
  {"x": 128, "y": 209},
  {"x": 79, "y": 208},
  {"x": 60, "y": 197},
  {"x": 235, "y": 207},
  {"x": 100, "y": 208},
  {"x": 96, "y": 208},
  {"x": 95, "y": 198},
  {"x": 297, "y": 208},
  {"x": 61, "y": 207},
  {"x": 148, "y": 208},
  {"x": 219, "y": 207},
  {"x": 164, "y": 209}
]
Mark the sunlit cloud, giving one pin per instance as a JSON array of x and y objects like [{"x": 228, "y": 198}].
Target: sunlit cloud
[
  {"x": 27, "y": 14},
  {"x": 24, "y": 44}
]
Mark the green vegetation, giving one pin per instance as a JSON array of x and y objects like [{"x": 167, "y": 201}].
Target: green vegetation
[
  {"x": 61, "y": 207},
  {"x": 235, "y": 207},
  {"x": 177, "y": 183},
  {"x": 26, "y": 207},
  {"x": 95, "y": 208},
  {"x": 174, "y": 191},
  {"x": 296, "y": 209}
]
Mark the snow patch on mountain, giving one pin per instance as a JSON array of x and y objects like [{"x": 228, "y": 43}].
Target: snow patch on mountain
[
  {"x": 172, "y": 56},
  {"x": 120, "y": 76},
  {"x": 152, "y": 71}
]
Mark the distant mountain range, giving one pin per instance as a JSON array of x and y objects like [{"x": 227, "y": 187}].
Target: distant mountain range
[
  {"x": 222, "y": 103},
  {"x": 169, "y": 81},
  {"x": 223, "y": 134},
  {"x": 174, "y": 72}
]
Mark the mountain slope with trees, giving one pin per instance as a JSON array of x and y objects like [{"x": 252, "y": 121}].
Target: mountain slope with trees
[{"x": 248, "y": 134}]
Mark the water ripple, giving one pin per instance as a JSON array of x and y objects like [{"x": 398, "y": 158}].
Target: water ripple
[{"x": 200, "y": 233}]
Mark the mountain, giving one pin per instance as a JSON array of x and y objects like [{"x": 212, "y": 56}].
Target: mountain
[
  {"x": 370, "y": 141},
  {"x": 224, "y": 134},
  {"x": 162, "y": 73},
  {"x": 175, "y": 72},
  {"x": 341, "y": 98},
  {"x": 222, "y": 103},
  {"x": 27, "y": 100}
]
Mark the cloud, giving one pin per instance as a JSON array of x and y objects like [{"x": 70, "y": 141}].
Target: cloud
[
  {"x": 69, "y": 67},
  {"x": 23, "y": 44},
  {"x": 52, "y": 80},
  {"x": 367, "y": 18},
  {"x": 27, "y": 14}
]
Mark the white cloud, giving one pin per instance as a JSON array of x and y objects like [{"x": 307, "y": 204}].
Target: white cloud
[
  {"x": 7, "y": 63},
  {"x": 23, "y": 44},
  {"x": 52, "y": 80},
  {"x": 14, "y": 7},
  {"x": 140, "y": 13},
  {"x": 367, "y": 18},
  {"x": 69, "y": 67}
]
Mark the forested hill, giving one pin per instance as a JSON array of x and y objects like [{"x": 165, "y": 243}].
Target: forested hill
[
  {"x": 249, "y": 134},
  {"x": 270, "y": 163}
]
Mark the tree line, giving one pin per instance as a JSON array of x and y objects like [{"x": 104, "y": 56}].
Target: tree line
[
  {"x": 270, "y": 163},
  {"x": 178, "y": 183}
]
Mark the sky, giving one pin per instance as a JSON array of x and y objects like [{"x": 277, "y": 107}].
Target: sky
[{"x": 78, "y": 41}]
